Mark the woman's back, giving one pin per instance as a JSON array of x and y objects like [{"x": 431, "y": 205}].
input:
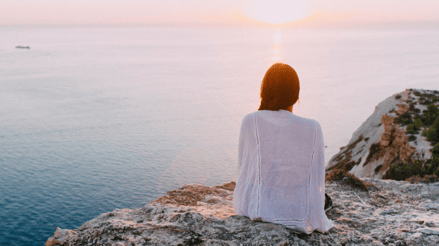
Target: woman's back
[{"x": 280, "y": 176}]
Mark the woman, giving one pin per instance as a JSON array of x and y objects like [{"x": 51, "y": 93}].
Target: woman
[{"x": 281, "y": 172}]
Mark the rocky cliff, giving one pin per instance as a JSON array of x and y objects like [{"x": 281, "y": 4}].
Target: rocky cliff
[
  {"x": 389, "y": 213},
  {"x": 366, "y": 211},
  {"x": 383, "y": 138}
]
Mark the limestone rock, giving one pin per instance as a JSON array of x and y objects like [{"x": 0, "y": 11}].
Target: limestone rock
[
  {"x": 380, "y": 141},
  {"x": 391, "y": 212}
]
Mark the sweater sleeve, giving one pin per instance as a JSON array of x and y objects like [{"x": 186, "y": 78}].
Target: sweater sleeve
[
  {"x": 245, "y": 128},
  {"x": 318, "y": 219},
  {"x": 320, "y": 164}
]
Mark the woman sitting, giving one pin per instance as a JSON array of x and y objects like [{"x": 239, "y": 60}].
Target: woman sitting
[{"x": 281, "y": 170}]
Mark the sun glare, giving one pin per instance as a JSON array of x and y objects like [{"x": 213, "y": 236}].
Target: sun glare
[
  {"x": 277, "y": 11},
  {"x": 276, "y": 51}
]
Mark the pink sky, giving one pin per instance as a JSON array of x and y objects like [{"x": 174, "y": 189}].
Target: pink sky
[{"x": 182, "y": 12}]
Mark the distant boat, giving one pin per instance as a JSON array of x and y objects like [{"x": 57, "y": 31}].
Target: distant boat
[{"x": 22, "y": 47}]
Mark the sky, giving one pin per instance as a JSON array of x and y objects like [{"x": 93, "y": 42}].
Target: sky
[{"x": 216, "y": 12}]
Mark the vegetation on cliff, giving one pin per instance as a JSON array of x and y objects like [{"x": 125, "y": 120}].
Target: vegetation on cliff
[
  {"x": 404, "y": 170},
  {"x": 396, "y": 141},
  {"x": 414, "y": 168}
]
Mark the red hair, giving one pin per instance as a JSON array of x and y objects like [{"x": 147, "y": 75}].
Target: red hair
[{"x": 280, "y": 88}]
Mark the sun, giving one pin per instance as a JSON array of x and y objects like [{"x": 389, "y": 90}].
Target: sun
[{"x": 276, "y": 11}]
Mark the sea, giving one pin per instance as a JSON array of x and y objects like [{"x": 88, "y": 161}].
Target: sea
[{"x": 95, "y": 118}]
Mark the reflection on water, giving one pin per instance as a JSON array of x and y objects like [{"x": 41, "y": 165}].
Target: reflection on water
[
  {"x": 277, "y": 37},
  {"x": 276, "y": 47}
]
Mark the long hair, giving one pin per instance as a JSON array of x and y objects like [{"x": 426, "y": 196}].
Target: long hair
[{"x": 280, "y": 88}]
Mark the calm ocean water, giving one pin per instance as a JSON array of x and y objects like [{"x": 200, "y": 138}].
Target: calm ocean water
[{"x": 93, "y": 119}]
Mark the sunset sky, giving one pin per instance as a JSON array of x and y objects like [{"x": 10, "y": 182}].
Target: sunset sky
[{"x": 219, "y": 12}]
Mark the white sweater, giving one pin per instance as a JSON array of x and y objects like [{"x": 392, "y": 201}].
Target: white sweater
[{"x": 280, "y": 176}]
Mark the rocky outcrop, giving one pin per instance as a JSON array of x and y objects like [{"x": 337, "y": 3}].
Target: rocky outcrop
[
  {"x": 365, "y": 212},
  {"x": 390, "y": 213},
  {"x": 380, "y": 141}
]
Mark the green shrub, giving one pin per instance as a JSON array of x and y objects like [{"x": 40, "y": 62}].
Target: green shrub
[
  {"x": 404, "y": 119},
  {"x": 418, "y": 123},
  {"x": 425, "y": 101},
  {"x": 435, "y": 151},
  {"x": 432, "y": 166},
  {"x": 402, "y": 171},
  {"x": 411, "y": 129},
  {"x": 434, "y": 161},
  {"x": 414, "y": 127},
  {"x": 424, "y": 132},
  {"x": 412, "y": 138},
  {"x": 432, "y": 135},
  {"x": 433, "y": 132},
  {"x": 430, "y": 114}
]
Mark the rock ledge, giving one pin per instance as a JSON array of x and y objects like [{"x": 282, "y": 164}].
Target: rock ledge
[{"x": 390, "y": 213}]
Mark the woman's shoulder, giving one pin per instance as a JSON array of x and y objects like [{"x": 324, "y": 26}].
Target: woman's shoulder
[
  {"x": 248, "y": 120},
  {"x": 283, "y": 115},
  {"x": 249, "y": 117},
  {"x": 314, "y": 123},
  {"x": 304, "y": 120}
]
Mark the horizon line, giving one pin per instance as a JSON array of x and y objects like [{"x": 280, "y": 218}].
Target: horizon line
[{"x": 255, "y": 24}]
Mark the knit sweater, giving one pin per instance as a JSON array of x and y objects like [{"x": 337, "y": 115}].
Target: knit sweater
[{"x": 280, "y": 176}]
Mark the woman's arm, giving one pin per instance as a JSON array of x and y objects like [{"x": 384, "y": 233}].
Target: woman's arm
[
  {"x": 320, "y": 162},
  {"x": 318, "y": 218},
  {"x": 245, "y": 127}
]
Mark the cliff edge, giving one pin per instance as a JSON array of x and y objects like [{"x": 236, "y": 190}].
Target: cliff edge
[{"x": 389, "y": 213}]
